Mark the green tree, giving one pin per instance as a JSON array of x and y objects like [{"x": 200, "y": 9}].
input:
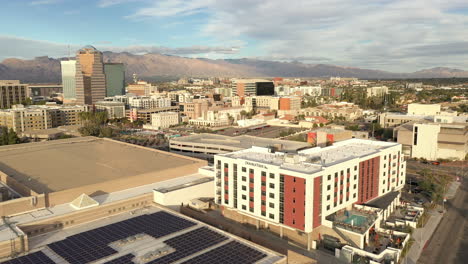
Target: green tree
[
  {"x": 13, "y": 137},
  {"x": 4, "y": 136}
]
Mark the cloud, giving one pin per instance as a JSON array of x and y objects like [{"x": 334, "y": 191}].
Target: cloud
[
  {"x": 27, "y": 48},
  {"x": 108, "y": 3},
  {"x": 396, "y": 35},
  {"x": 45, "y": 2}
]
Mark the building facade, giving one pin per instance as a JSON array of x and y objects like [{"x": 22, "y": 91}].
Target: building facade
[
  {"x": 290, "y": 103},
  {"x": 68, "y": 69},
  {"x": 115, "y": 78},
  {"x": 252, "y": 87},
  {"x": 164, "y": 120},
  {"x": 113, "y": 109},
  {"x": 24, "y": 119},
  {"x": 298, "y": 191},
  {"x": 12, "y": 92},
  {"x": 90, "y": 77}
]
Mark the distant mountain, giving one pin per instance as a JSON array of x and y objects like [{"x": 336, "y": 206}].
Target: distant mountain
[{"x": 157, "y": 66}]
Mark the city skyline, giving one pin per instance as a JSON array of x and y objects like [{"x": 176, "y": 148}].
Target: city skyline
[{"x": 387, "y": 35}]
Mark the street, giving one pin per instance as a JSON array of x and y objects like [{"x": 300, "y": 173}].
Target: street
[{"x": 450, "y": 240}]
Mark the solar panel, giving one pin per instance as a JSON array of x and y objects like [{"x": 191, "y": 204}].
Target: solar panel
[
  {"x": 33, "y": 258},
  {"x": 190, "y": 243},
  {"x": 93, "y": 245},
  {"x": 230, "y": 253},
  {"x": 126, "y": 259}
]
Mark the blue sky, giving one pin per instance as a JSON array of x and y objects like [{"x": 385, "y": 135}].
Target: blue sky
[{"x": 395, "y": 35}]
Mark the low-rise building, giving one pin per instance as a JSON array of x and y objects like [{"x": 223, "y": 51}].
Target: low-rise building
[
  {"x": 145, "y": 114},
  {"x": 113, "y": 109},
  {"x": 377, "y": 91},
  {"x": 141, "y": 88},
  {"x": 424, "y": 109},
  {"x": 433, "y": 141},
  {"x": 290, "y": 103},
  {"x": 22, "y": 119},
  {"x": 148, "y": 102},
  {"x": 163, "y": 120}
]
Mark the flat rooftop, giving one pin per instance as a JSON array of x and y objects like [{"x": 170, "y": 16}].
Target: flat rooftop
[
  {"x": 152, "y": 235},
  {"x": 69, "y": 163},
  {"x": 314, "y": 159},
  {"x": 240, "y": 142}
]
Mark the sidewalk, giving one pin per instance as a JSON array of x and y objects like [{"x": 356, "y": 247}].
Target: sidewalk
[{"x": 422, "y": 235}]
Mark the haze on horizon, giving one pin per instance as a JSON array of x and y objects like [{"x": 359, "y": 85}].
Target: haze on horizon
[{"x": 392, "y": 35}]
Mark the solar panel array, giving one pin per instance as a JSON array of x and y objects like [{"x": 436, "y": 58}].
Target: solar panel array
[
  {"x": 33, "y": 258},
  {"x": 230, "y": 253},
  {"x": 93, "y": 245},
  {"x": 190, "y": 243},
  {"x": 126, "y": 259}
]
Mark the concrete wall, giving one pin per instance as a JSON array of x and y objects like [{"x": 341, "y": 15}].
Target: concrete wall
[{"x": 184, "y": 195}]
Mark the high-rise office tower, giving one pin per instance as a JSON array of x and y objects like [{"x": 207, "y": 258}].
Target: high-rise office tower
[
  {"x": 90, "y": 77},
  {"x": 69, "y": 79},
  {"x": 115, "y": 78}
]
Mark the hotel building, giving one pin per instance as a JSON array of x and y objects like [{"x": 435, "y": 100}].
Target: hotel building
[{"x": 302, "y": 192}]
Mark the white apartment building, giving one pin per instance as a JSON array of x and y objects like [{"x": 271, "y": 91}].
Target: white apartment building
[
  {"x": 298, "y": 90},
  {"x": 163, "y": 120},
  {"x": 148, "y": 102},
  {"x": 303, "y": 191},
  {"x": 377, "y": 91}
]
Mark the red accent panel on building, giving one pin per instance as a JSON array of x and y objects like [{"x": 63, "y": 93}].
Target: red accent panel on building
[
  {"x": 317, "y": 210},
  {"x": 251, "y": 185},
  {"x": 368, "y": 180},
  {"x": 263, "y": 198},
  {"x": 263, "y": 208},
  {"x": 251, "y": 204},
  {"x": 294, "y": 208},
  {"x": 264, "y": 188},
  {"x": 251, "y": 194}
]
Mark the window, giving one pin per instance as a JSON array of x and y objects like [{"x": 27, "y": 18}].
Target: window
[
  {"x": 294, "y": 222},
  {"x": 272, "y": 195},
  {"x": 263, "y": 193},
  {"x": 294, "y": 179},
  {"x": 329, "y": 177},
  {"x": 294, "y": 210},
  {"x": 244, "y": 178},
  {"x": 251, "y": 171},
  {"x": 336, "y": 175},
  {"x": 263, "y": 183},
  {"x": 355, "y": 168},
  {"x": 263, "y": 213},
  {"x": 244, "y": 188},
  {"x": 251, "y": 209},
  {"x": 251, "y": 198},
  {"x": 251, "y": 190},
  {"x": 328, "y": 187},
  {"x": 263, "y": 173},
  {"x": 272, "y": 176},
  {"x": 272, "y": 216},
  {"x": 328, "y": 207},
  {"x": 263, "y": 202},
  {"x": 328, "y": 197},
  {"x": 244, "y": 169},
  {"x": 334, "y": 204},
  {"x": 272, "y": 205},
  {"x": 251, "y": 180},
  {"x": 272, "y": 185},
  {"x": 354, "y": 195},
  {"x": 244, "y": 197},
  {"x": 294, "y": 200},
  {"x": 244, "y": 207},
  {"x": 354, "y": 186}
]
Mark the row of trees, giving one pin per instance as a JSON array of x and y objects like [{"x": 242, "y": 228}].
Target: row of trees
[
  {"x": 95, "y": 124},
  {"x": 8, "y": 137}
]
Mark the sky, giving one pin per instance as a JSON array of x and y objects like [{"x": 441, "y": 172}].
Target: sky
[{"x": 392, "y": 35}]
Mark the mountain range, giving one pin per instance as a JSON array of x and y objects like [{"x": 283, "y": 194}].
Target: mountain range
[{"x": 158, "y": 66}]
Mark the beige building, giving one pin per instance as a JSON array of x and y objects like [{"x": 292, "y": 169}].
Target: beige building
[
  {"x": 377, "y": 91},
  {"x": 163, "y": 120},
  {"x": 433, "y": 141},
  {"x": 195, "y": 109},
  {"x": 141, "y": 88},
  {"x": 12, "y": 92},
  {"x": 344, "y": 110},
  {"x": 90, "y": 77},
  {"x": 145, "y": 114},
  {"x": 387, "y": 120},
  {"x": 23, "y": 119},
  {"x": 113, "y": 109},
  {"x": 424, "y": 109}
]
